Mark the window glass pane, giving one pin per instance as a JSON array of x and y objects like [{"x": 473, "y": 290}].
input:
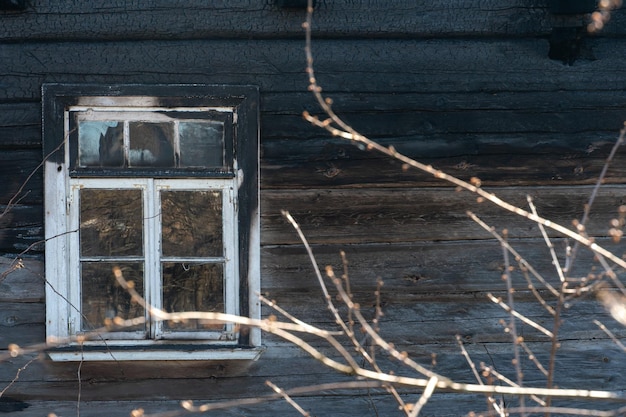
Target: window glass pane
[
  {"x": 100, "y": 144},
  {"x": 201, "y": 144},
  {"x": 191, "y": 223},
  {"x": 193, "y": 287},
  {"x": 103, "y": 298},
  {"x": 151, "y": 144},
  {"x": 111, "y": 222}
]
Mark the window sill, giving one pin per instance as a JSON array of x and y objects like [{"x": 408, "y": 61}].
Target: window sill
[{"x": 154, "y": 353}]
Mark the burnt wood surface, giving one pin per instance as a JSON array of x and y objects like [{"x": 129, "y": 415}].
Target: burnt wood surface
[
  {"x": 466, "y": 86},
  {"x": 75, "y": 19}
]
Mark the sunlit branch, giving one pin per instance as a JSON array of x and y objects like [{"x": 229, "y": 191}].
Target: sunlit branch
[{"x": 520, "y": 316}]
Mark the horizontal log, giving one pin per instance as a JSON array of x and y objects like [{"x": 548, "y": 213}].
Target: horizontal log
[
  {"x": 366, "y": 66},
  {"x": 22, "y": 324},
  {"x": 15, "y": 168},
  {"x": 440, "y": 270},
  {"x": 427, "y": 123},
  {"x": 352, "y": 216},
  {"x": 21, "y": 282},
  {"x": 492, "y": 170},
  {"x": 236, "y": 19},
  {"x": 359, "y": 402},
  {"x": 414, "y": 325}
]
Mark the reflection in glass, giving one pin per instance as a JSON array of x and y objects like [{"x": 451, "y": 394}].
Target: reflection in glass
[
  {"x": 100, "y": 143},
  {"x": 111, "y": 222},
  {"x": 193, "y": 287},
  {"x": 191, "y": 223},
  {"x": 201, "y": 144},
  {"x": 103, "y": 299},
  {"x": 151, "y": 144}
]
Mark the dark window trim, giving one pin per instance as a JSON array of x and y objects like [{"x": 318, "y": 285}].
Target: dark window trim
[{"x": 57, "y": 98}]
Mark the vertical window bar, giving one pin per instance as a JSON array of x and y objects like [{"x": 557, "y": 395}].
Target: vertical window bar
[
  {"x": 231, "y": 267},
  {"x": 176, "y": 144},
  {"x": 75, "y": 285},
  {"x": 126, "y": 143},
  {"x": 152, "y": 245}
]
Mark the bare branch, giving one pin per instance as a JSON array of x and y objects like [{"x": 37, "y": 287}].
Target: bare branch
[
  {"x": 523, "y": 318},
  {"x": 472, "y": 366},
  {"x": 610, "y": 334},
  {"x": 287, "y": 398}
]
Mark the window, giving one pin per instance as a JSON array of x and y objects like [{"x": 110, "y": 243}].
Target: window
[{"x": 160, "y": 183}]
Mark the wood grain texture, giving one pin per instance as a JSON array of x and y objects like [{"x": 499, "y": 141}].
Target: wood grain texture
[
  {"x": 378, "y": 215},
  {"x": 368, "y": 403},
  {"x": 263, "y": 19},
  {"x": 367, "y": 66}
]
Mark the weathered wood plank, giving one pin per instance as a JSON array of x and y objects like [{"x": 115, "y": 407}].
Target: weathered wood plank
[
  {"x": 22, "y": 323},
  {"x": 15, "y": 168},
  {"x": 430, "y": 122},
  {"x": 293, "y": 103},
  {"x": 236, "y": 19},
  {"x": 350, "y": 216},
  {"x": 21, "y": 229},
  {"x": 241, "y": 19},
  {"x": 20, "y": 125},
  {"x": 25, "y": 284},
  {"x": 435, "y": 269},
  {"x": 369, "y": 170},
  {"x": 366, "y": 403},
  {"x": 321, "y": 405},
  {"x": 436, "y": 66}
]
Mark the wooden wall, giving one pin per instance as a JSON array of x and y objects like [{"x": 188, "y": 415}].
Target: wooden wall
[{"x": 465, "y": 85}]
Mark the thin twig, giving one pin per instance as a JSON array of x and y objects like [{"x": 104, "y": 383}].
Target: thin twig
[
  {"x": 517, "y": 362},
  {"x": 287, "y": 398},
  {"x": 533, "y": 358},
  {"x": 472, "y": 366},
  {"x": 610, "y": 334},
  {"x": 546, "y": 238},
  {"x": 587, "y": 210},
  {"x": 570, "y": 411},
  {"x": 401, "y": 356},
  {"x": 428, "y": 392},
  {"x": 17, "y": 376},
  {"x": 554, "y": 343},
  {"x": 347, "y": 328},
  {"x": 189, "y": 407},
  {"x": 517, "y": 256},
  {"x": 520, "y": 316},
  {"x": 491, "y": 371},
  {"x": 533, "y": 289},
  {"x": 16, "y": 198}
]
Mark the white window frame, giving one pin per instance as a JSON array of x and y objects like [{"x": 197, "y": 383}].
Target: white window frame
[
  {"x": 151, "y": 189},
  {"x": 240, "y": 223}
]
